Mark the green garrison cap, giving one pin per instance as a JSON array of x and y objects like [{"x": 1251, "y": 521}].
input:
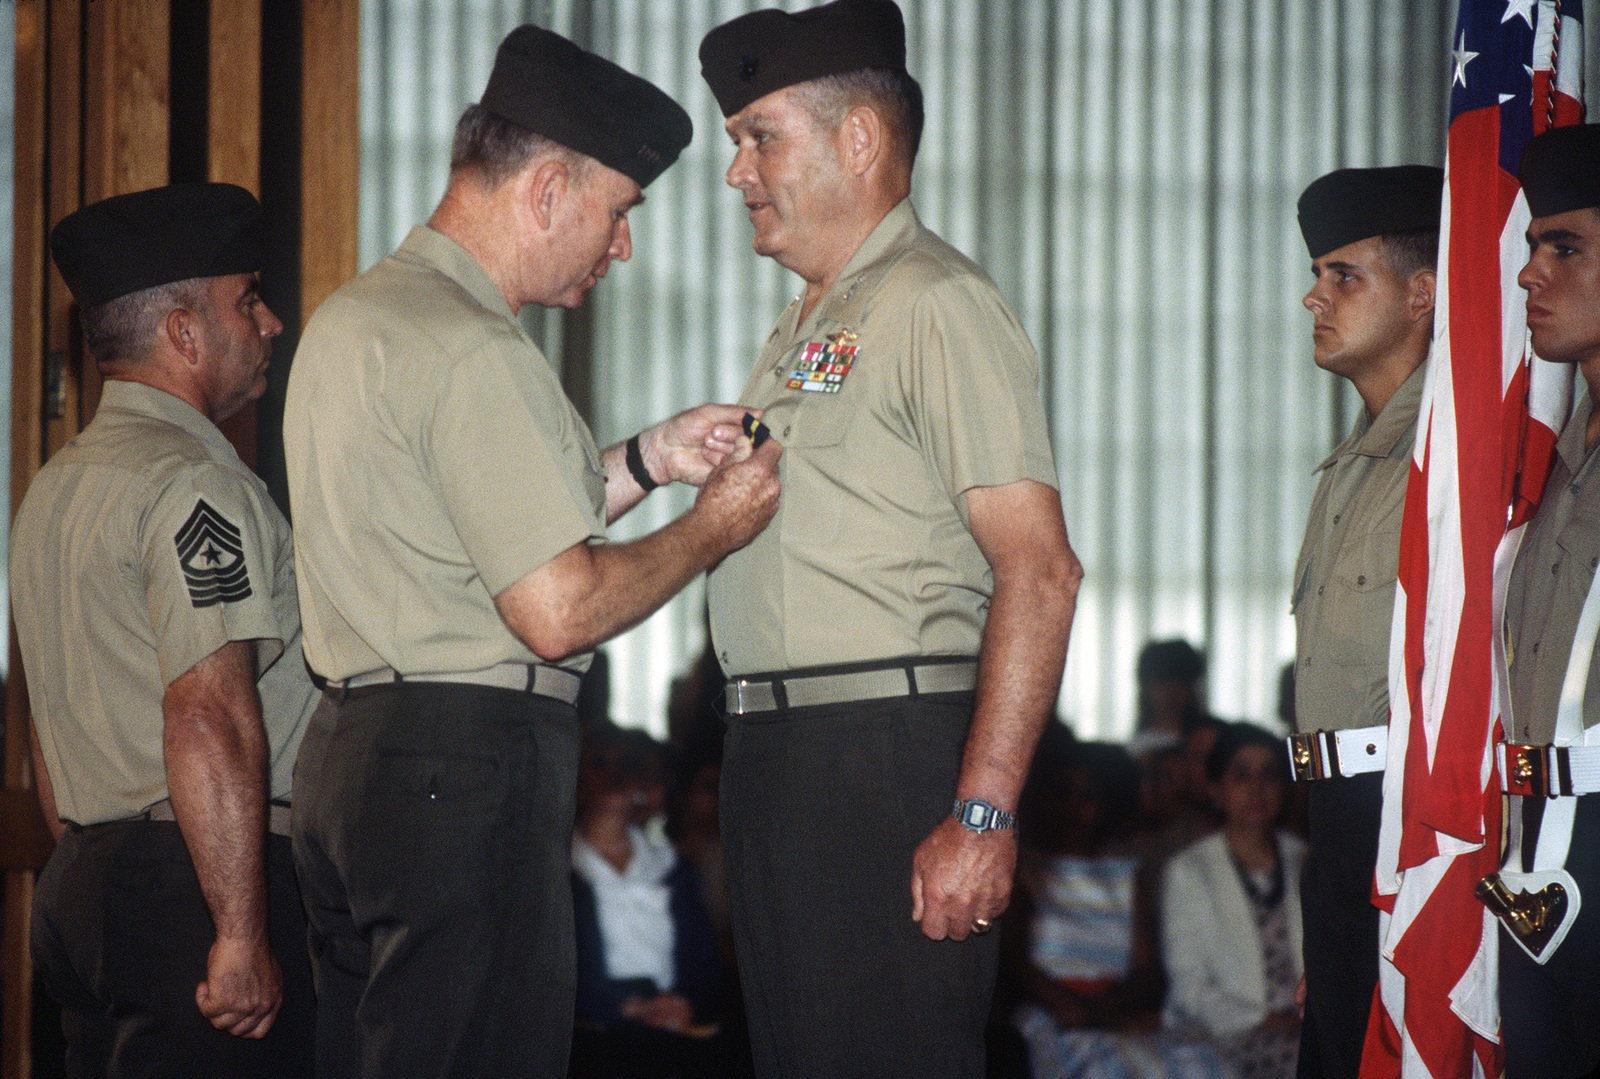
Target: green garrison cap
[
  {"x": 546, "y": 84},
  {"x": 128, "y": 243},
  {"x": 1353, "y": 204},
  {"x": 752, "y": 56},
  {"x": 1560, "y": 170}
]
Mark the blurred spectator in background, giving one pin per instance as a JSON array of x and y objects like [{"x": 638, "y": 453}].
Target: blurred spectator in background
[
  {"x": 1231, "y": 914},
  {"x": 694, "y": 824},
  {"x": 1085, "y": 959},
  {"x": 1170, "y": 700},
  {"x": 651, "y": 987},
  {"x": 1175, "y": 804}
]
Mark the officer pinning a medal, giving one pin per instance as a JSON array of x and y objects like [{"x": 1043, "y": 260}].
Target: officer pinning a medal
[
  {"x": 1373, "y": 238},
  {"x": 455, "y": 576},
  {"x": 894, "y": 640},
  {"x": 1547, "y": 893},
  {"x": 152, "y": 580}
]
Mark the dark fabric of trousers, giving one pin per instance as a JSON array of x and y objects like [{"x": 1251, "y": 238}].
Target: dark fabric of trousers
[
  {"x": 1550, "y": 1014},
  {"x": 433, "y": 830},
  {"x": 121, "y": 934},
  {"x": 823, "y": 808},
  {"x": 1341, "y": 924}
]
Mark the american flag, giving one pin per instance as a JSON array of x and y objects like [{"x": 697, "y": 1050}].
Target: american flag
[{"x": 1490, "y": 419}]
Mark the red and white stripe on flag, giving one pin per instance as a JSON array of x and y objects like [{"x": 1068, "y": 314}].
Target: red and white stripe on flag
[{"x": 1490, "y": 418}]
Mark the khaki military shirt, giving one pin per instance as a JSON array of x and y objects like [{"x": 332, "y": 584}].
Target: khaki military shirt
[
  {"x": 1344, "y": 583},
  {"x": 433, "y": 460},
  {"x": 910, "y": 383},
  {"x": 142, "y": 547},
  {"x": 1549, "y": 582}
]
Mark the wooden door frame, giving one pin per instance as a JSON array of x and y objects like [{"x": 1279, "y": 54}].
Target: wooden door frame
[{"x": 94, "y": 116}]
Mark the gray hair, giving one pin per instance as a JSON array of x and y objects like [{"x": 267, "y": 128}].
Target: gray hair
[
  {"x": 121, "y": 331},
  {"x": 496, "y": 149},
  {"x": 894, "y": 95}
]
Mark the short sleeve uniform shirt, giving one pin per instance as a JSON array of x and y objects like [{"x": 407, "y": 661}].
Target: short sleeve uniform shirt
[
  {"x": 910, "y": 383},
  {"x": 141, "y": 548},
  {"x": 1550, "y": 580},
  {"x": 1345, "y": 580},
  {"x": 433, "y": 460}
]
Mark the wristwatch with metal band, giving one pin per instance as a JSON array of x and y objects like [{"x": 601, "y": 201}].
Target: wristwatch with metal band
[{"x": 979, "y": 816}]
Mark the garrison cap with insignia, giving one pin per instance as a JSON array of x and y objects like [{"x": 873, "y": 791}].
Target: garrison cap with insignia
[
  {"x": 752, "y": 56},
  {"x": 1354, "y": 204},
  {"x": 128, "y": 243},
  {"x": 1560, "y": 170},
  {"x": 546, "y": 84}
]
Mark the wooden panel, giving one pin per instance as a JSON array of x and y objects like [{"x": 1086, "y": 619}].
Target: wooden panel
[
  {"x": 62, "y": 386},
  {"x": 126, "y": 118},
  {"x": 27, "y": 443},
  {"x": 233, "y": 134},
  {"x": 233, "y": 94},
  {"x": 330, "y": 148},
  {"x": 16, "y": 1048}
]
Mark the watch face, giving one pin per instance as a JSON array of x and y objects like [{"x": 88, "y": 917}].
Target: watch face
[{"x": 977, "y": 814}]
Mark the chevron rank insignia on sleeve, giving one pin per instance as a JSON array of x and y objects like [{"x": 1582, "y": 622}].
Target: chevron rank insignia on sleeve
[{"x": 212, "y": 557}]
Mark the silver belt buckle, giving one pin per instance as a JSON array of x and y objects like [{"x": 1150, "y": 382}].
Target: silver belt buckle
[{"x": 738, "y": 706}]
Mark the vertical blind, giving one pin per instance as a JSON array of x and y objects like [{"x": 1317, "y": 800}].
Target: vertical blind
[{"x": 1126, "y": 173}]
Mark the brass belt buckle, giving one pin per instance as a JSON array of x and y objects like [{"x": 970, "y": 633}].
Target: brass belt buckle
[
  {"x": 1306, "y": 756},
  {"x": 1532, "y": 917},
  {"x": 1527, "y": 771}
]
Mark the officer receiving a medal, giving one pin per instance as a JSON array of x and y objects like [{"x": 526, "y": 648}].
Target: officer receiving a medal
[{"x": 894, "y": 640}]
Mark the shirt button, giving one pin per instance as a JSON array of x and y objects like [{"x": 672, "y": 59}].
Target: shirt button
[
  {"x": 1361, "y": 579},
  {"x": 1319, "y": 589},
  {"x": 724, "y": 659},
  {"x": 1535, "y": 648},
  {"x": 1336, "y": 517},
  {"x": 1556, "y": 568},
  {"x": 778, "y": 370},
  {"x": 786, "y": 429}
]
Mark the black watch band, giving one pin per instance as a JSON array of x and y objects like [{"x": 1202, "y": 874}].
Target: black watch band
[{"x": 636, "y": 469}]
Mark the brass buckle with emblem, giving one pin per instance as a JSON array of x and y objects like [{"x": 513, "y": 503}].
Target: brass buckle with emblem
[
  {"x": 1537, "y": 771},
  {"x": 1310, "y": 756}
]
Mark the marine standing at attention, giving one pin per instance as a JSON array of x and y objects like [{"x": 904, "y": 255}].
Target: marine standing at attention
[
  {"x": 1373, "y": 237},
  {"x": 152, "y": 579}
]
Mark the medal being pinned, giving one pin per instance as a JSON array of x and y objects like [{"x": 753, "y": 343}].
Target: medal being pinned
[{"x": 823, "y": 365}]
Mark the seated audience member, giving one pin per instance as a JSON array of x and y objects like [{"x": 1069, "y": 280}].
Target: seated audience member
[
  {"x": 650, "y": 982},
  {"x": 1090, "y": 977},
  {"x": 694, "y": 824},
  {"x": 1174, "y": 797},
  {"x": 1231, "y": 914},
  {"x": 1170, "y": 704}
]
